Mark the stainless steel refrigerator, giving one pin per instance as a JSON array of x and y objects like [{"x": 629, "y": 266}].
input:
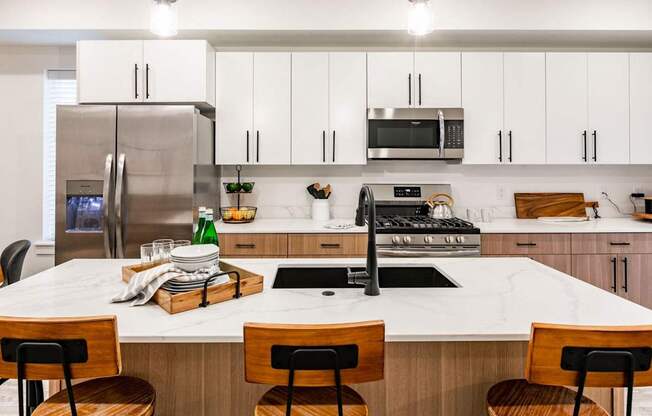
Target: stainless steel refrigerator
[{"x": 130, "y": 174}]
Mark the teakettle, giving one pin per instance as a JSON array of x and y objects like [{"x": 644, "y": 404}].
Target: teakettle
[{"x": 441, "y": 206}]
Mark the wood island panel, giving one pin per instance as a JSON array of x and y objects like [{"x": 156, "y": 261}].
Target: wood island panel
[{"x": 421, "y": 378}]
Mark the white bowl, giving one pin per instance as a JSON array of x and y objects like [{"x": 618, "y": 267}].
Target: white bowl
[
  {"x": 193, "y": 267},
  {"x": 198, "y": 251}
]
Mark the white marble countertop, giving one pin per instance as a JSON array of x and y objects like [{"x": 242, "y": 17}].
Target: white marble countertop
[
  {"x": 498, "y": 299},
  {"x": 502, "y": 225}
]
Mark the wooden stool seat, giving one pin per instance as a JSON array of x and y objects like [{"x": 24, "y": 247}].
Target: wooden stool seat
[
  {"x": 311, "y": 401},
  {"x": 125, "y": 396},
  {"x": 520, "y": 398}
]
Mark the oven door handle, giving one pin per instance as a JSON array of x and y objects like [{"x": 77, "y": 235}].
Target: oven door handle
[
  {"x": 442, "y": 132},
  {"x": 392, "y": 252}
]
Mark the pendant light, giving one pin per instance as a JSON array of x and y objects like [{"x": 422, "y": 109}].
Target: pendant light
[
  {"x": 420, "y": 18},
  {"x": 164, "y": 18}
]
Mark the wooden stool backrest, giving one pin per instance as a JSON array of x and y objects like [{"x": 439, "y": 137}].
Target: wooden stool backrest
[
  {"x": 98, "y": 333},
  {"x": 547, "y": 341},
  {"x": 369, "y": 337}
]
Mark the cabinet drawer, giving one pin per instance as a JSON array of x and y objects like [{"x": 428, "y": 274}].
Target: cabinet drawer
[
  {"x": 254, "y": 245},
  {"x": 612, "y": 243},
  {"x": 524, "y": 244},
  {"x": 327, "y": 245}
]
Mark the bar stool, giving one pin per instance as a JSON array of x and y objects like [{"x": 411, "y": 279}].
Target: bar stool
[
  {"x": 72, "y": 348},
  {"x": 311, "y": 365},
  {"x": 11, "y": 261},
  {"x": 565, "y": 355}
]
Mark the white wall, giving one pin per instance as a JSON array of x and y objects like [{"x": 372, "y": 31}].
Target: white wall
[
  {"x": 22, "y": 75},
  {"x": 280, "y": 192}
]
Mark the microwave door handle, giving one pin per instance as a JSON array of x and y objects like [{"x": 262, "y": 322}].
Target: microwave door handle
[
  {"x": 119, "y": 220},
  {"x": 107, "y": 188},
  {"x": 442, "y": 132}
]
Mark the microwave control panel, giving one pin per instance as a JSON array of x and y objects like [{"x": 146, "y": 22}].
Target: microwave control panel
[{"x": 454, "y": 134}]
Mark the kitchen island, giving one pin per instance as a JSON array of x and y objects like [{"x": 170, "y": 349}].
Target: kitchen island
[{"x": 445, "y": 346}]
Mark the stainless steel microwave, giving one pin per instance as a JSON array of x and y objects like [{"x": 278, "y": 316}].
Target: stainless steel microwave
[{"x": 415, "y": 133}]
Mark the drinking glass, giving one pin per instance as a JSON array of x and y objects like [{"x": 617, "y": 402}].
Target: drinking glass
[
  {"x": 180, "y": 243},
  {"x": 162, "y": 248},
  {"x": 147, "y": 254}
]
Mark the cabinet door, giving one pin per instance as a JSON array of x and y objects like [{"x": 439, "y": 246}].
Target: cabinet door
[
  {"x": 608, "y": 89},
  {"x": 636, "y": 284},
  {"x": 563, "y": 262},
  {"x": 310, "y": 108},
  {"x": 525, "y": 107},
  {"x": 438, "y": 79},
  {"x": 482, "y": 99},
  {"x": 600, "y": 270},
  {"x": 348, "y": 105},
  {"x": 254, "y": 245},
  {"x": 566, "y": 108},
  {"x": 234, "y": 108},
  {"x": 110, "y": 71},
  {"x": 640, "y": 107},
  {"x": 272, "y": 108},
  {"x": 177, "y": 71},
  {"x": 390, "y": 82}
]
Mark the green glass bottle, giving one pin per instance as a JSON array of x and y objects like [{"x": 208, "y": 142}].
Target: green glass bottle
[
  {"x": 196, "y": 237},
  {"x": 209, "y": 234}
]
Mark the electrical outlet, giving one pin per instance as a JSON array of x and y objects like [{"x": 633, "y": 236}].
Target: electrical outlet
[{"x": 500, "y": 193}]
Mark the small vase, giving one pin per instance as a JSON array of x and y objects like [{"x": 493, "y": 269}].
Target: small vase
[{"x": 321, "y": 210}]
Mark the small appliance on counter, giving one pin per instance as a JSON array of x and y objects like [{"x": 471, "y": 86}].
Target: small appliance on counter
[
  {"x": 320, "y": 205},
  {"x": 405, "y": 228},
  {"x": 238, "y": 214}
]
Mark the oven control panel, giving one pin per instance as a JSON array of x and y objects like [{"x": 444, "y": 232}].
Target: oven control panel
[{"x": 407, "y": 192}]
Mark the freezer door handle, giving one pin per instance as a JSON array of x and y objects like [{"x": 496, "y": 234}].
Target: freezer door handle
[
  {"x": 106, "y": 201},
  {"x": 119, "y": 225}
]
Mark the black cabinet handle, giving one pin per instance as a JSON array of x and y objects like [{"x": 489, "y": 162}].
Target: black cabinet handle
[
  {"x": 333, "y": 145},
  {"x": 245, "y": 245},
  {"x": 526, "y": 244},
  {"x": 135, "y": 80},
  {"x": 257, "y": 146},
  {"x": 323, "y": 146},
  {"x": 247, "y": 146},
  {"x": 409, "y": 89},
  {"x": 419, "y": 89},
  {"x": 146, "y": 80},
  {"x": 585, "y": 157},
  {"x": 625, "y": 274},
  {"x": 500, "y": 145},
  {"x": 613, "y": 274},
  {"x": 510, "y": 146},
  {"x": 595, "y": 145},
  {"x": 330, "y": 245},
  {"x": 623, "y": 243}
]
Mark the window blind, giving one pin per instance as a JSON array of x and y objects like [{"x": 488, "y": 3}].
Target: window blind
[{"x": 60, "y": 88}]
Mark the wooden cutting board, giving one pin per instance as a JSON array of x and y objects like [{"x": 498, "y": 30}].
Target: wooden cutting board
[{"x": 535, "y": 205}]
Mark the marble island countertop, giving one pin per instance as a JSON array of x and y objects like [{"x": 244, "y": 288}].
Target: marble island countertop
[
  {"x": 502, "y": 225},
  {"x": 498, "y": 300}
]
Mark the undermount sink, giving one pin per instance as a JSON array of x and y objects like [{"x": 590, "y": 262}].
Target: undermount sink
[{"x": 288, "y": 277}]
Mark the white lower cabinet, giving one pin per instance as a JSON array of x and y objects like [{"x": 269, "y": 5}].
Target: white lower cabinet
[
  {"x": 640, "y": 106},
  {"x": 329, "y": 108}
]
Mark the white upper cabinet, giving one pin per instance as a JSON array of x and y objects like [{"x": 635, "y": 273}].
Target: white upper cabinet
[
  {"x": 347, "y": 107},
  {"x": 271, "y": 104},
  {"x": 525, "y": 107},
  {"x": 234, "y": 108},
  {"x": 608, "y": 92},
  {"x": 640, "y": 99},
  {"x": 310, "y": 130},
  {"x": 179, "y": 71},
  {"x": 329, "y": 108},
  {"x": 482, "y": 99},
  {"x": 110, "y": 71},
  {"x": 437, "y": 79},
  {"x": 390, "y": 79},
  {"x": 567, "y": 108},
  {"x": 161, "y": 71}
]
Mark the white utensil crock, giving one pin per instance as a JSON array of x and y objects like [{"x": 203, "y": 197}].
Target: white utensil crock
[{"x": 321, "y": 210}]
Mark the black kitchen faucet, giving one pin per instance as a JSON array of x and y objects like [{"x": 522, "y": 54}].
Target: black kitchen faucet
[{"x": 368, "y": 277}]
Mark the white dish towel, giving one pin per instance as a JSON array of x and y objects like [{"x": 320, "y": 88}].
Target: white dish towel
[{"x": 143, "y": 285}]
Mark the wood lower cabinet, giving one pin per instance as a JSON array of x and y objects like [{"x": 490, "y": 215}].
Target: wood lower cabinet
[
  {"x": 525, "y": 244},
  {"x": 636, "y": 280},
  {"x": 254, "y": 245},
  {"x": 561, "y": 262},
  {"x": 600, "y": 270},
  {"x": 612, "y": 243},
  {"x": 327, "y": 245}
]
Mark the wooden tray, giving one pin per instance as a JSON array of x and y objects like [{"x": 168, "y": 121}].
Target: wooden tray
[
  {"x": 642, "y": 216},
  {"x": 250, "y": 283},
  {"x": 535, "y": 205}
]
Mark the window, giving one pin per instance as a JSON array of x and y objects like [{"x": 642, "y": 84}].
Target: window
[{"x": 60, "y": 88}]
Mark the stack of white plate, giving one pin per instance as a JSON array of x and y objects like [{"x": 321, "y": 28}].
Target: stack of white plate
[
  {"x": 197, "y": 257},
  {"x": 176, "y": 286}
]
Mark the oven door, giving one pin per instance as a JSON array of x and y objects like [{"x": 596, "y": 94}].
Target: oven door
[{"x": 403, "y": 139}]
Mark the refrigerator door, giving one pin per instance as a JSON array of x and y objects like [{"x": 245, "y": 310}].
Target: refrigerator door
[
  {"x": 86, "y": 139},
  {"x": 154, "y": 175}
]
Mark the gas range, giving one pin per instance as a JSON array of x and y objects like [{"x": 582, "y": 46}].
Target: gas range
[{"x": 404, "y": 229}]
